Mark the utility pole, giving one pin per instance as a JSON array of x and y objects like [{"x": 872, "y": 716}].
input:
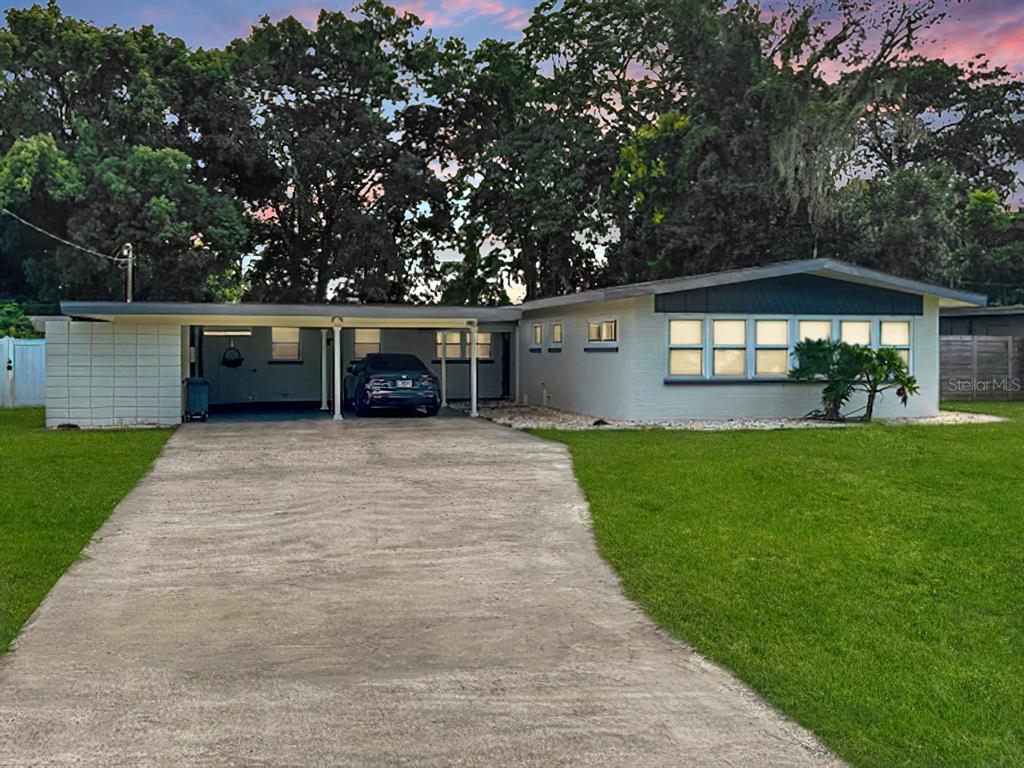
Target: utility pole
[{"x": 128, "y": 254}]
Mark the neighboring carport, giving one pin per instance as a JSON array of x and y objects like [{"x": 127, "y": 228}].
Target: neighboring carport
[{"x": 225, "y": 335}]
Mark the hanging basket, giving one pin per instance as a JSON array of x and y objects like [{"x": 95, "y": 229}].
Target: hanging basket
[{"x": 232, "y": 358}]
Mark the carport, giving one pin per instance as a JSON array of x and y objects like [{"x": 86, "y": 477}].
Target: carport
[{"x": 283, "y": 353}]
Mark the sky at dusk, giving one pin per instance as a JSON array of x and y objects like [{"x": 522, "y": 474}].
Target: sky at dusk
[{"x": 995, "y": 27}]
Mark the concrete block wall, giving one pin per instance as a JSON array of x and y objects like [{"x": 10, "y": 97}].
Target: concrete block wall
[{"x": 112, "y": 374}]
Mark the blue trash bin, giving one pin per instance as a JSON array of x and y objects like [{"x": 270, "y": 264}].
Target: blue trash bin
[{"x": 197, "y": 399}]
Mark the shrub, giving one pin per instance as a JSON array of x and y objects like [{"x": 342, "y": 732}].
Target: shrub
[
  {"x": 14, "y": 322},
  {"x": 849, "y": 368}
]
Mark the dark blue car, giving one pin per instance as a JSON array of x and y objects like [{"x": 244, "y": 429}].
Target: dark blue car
[{"x": 391, "y": 381}]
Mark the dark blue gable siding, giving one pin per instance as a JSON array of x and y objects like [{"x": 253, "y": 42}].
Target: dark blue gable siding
[{"x": 793, "y": 295}]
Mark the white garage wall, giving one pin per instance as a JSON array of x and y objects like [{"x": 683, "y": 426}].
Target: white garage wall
[{"x": 112, "y": 375}]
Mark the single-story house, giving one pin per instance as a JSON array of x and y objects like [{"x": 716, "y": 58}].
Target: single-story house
[
  {"x": 711, "y": 346},
  {"x": 983, "y": 321}
]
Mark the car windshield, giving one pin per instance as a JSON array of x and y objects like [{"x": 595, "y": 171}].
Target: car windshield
[{"x": 394, "y": 363}]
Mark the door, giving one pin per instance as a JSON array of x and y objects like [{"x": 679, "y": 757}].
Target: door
[{"x": 29, "y": 360}]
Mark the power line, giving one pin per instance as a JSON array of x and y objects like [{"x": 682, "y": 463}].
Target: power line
[{"x": 90, "y": 251}]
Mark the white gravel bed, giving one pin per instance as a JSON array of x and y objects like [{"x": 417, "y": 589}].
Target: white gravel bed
[
  {"x": 537, "y": 417},
  {"x": 948, "y": 417}
]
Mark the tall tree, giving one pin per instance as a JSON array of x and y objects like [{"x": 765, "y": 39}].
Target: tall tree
[
  {"x": 128, "y": 110},
  {"x": 353, "y": 206}
]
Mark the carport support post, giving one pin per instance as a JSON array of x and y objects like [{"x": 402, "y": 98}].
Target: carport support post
[
  {"x": 472, "y": 370},
  {"x": 324, "y": 375},
  {"x": 444, "y": 368},
  {"x": 337, "y": 374}
]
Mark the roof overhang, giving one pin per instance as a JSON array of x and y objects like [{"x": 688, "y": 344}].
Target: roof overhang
[
  {"x": 838, "y": 270},
  {"x": 1012, "y": 309},
  {"x": 289, "y": 315}
]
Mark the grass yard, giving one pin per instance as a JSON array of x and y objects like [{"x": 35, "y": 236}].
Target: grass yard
[
  {"x": 869, "y": 582},
  {"x": 56, "y": 488}
]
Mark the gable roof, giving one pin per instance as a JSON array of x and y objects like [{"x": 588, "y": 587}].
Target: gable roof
[{"x": 839, "y": 270}]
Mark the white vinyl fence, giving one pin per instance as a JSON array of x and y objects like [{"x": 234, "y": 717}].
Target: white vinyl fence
[{"x": 22, "y": 372}]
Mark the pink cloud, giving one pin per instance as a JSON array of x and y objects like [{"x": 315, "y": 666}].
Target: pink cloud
[
  {"x": 992, "y": 28},
  {"x": 447, "y": 14}
]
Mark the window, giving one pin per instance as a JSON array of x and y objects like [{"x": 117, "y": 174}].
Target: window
[
  {"x": 686, "y": 347},
  {"x": 284, "y": 344},
  {"x": 896, "y": 334},
  {"x": 538, "y": 334},
  {"x": 730, "y": 347},
  {"x": 556, "y": 333},
  {"x": 815, "y": 330},
  {"x": 602, "y": 330},
  {"x": 367, "y": 342},
  {"x": 771, "y": 354},
  {"x": 483, "y": 344},
  {"x": 449, "y": 345},
  {"x": 856, "y": 332},
  {"x": 458, "y": 343}
]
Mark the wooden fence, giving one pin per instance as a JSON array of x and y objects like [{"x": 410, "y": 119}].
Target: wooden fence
[{"x": 981, "y": 367}]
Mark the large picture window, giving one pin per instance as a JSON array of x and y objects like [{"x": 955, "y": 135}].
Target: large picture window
[{"x": 753, "y": 348}]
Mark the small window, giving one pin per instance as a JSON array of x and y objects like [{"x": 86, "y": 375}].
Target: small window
[
  {"x": 556, "y": 333},
  {"x": 483, "y": 344},
  {"x": 284, "y": 344},
  {"x": 896, "y": 334},
  {"x": 454, "y": 345},
  {"x": 449, "y": 345},
  {"x": 367, "y": 342},
  {"x": 686, "y": 347},
  {"x": 815, "y": 330},
  {"x": 730, "y": 354},
  {"x": 602, "y": 330},
  {"x": 538, "y": 334},
  {"x": 771, "y": 354},
  {"x": 856, "y": 332}
]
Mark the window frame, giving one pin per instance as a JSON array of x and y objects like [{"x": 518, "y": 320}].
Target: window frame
[
  {"x": 702, "y": 347},
  {"x": 560, "y": 324},
  {"x": 757, "y": 347},
  {"x": 356, "y": 342},
  {"x": 602, "y": 321},
  {"x": 751, "y": 347},
  {"x": 908, "y": 347},
  {"x": 537, "y": 336},
  {"x": 745, "y": 347},
  {"x": 463, "y": 345},
  {"x": 297, "y": 357}
]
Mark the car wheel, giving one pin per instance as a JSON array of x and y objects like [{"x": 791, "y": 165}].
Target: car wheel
[
  {"x": 362, "y": 409},
  {"x": 431, "y": 410}
]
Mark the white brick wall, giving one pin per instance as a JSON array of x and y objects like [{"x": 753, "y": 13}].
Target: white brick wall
[{"x": 112, "y": 374}]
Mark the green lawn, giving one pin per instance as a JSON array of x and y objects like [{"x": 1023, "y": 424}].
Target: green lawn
[
  {"x": 869, "y": 582},
  {"x": 56, "y": 488}
]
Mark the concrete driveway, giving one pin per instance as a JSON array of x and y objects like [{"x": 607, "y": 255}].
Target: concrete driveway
[{"x": 383, "y": 592}]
